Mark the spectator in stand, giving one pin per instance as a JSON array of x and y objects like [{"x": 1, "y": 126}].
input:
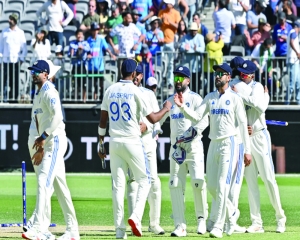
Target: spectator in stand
[
  {"x": 182, "y": 7},
  {"x": 259, "y": 36},
  {"x": 253, "y": 16},
  {"x": 181, "y": 31},
  {"x": 102, "y": 10},
  {"x": 239, "y": 8},
  {"x": 72, "y": 5},
  {"x": 98, "y": 45},
  {"x": 79, "y": 49},
  {"x": 135, "y": 17},
  {"x": 193, "y": 46},
  {"x": 114, "y": 20},
  {"x": 224, "y": 22},
  {"x": 40, "y": 46},
  {"x": 293, "y": 64},
  {"x": 154, "y": 10},
  {"x": 202, "y": 29},
  {"x": 279, "y": 7},
  {"x": 56, "y": 19},
  {"x": 192, "y": 10},
  {"x": 142, "y": 6},
  {"x": 287, "y": 8},
  {"x": 214, "y": 56},
  {"x": 155, "y": 40},
  {"x": 280, "y": 35},
  {"x": 262, "y": 56},
  {"x": 59, "y": 60},
  {"x": 125, "y": 33},
  {"x": 123, "y": 6},
  {"x": 170, "y": 20},
  {"x": 13, "y": 51},
  {"x": 90, "y": 18}
]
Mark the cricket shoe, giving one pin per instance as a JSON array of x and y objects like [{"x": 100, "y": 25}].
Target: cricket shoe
[
  {"x": 201, "y": 228},
  {"x": 210, "y": 225},
  {"x": 231, "y": 223},
  {"x": 156, "y": 230},
  {"x": 27, "y": 226},
  {"x": 32, "y": 234},
  {"x": 281, "y": 225},
  {"x": 255, "y": 229},
  {"x": 239, "y": 229},
  {"x": 121, "y": 234},
  {"x": 68, "y": 235},
  {"x": 180, "y": 231},
  {"x": 135, "y": 225},
  {"x": 216, "y": 233}
]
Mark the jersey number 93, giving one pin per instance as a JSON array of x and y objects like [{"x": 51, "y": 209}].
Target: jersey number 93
[{"x": 116, "y": 110}]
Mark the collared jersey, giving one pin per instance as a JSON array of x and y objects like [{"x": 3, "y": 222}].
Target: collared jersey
[
  {"x": 256, "y": 105},
  {"x": 125, "y": 105},
  {"x": 179, "y": 122},
  {"x": 224, "y": 110},
  {"x": 47, "y": 110}
]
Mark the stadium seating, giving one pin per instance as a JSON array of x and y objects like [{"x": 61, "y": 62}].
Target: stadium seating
[{"x": 237, "y": 51}]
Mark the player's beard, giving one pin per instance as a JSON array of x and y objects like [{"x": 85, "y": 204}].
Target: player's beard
[
  {"x": 220, "y": 83},
  {"x": 180, "y": 89},
  {"x": 36, "y": 80}
]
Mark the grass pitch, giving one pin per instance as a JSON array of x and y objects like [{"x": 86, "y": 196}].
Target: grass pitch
[{"x": 92, "y": 199}]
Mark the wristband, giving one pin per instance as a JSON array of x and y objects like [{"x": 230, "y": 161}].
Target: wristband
[
  {"x": 101, "y": 131},
  {"x": 43, "y": 136}
]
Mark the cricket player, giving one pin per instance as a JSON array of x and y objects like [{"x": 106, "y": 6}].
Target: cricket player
[
  {"x": 224, "y": 108},
  {"x": 238, "y": 168},
  {"x": 36, "y": 157},
  {"x": 256, "y": 106},
  {"x": 52, "y": 144},
  {"x": 149, "y": 133},
  {"x": 194, "y": 162},
  {"x": 124, "y": 104}
]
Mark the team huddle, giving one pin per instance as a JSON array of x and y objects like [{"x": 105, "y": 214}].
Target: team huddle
[{"x": 240, "y": 146}]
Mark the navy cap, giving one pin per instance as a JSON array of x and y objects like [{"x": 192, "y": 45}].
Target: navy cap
[
  {"x": 128, "y": 66},
  {"x": 41, "y": 66},
  {"x": 183, "y": 71},
  {"x": 297, "y": 24},
  {"x": 236, "y": 62},
  {"x": 139, "y": 68},
  {"x": 94, "y": 26},
  {"x": 248, "y": 67},
  {"x": 224, "y": 66}
]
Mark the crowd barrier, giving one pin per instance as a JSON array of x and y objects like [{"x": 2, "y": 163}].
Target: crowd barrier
[{"x": 77, "y": 85}]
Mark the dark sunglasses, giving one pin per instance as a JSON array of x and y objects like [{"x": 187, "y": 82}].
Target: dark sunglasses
[
  {"x": 36, "y": 73},
  {"x": 220, "y": 74}
]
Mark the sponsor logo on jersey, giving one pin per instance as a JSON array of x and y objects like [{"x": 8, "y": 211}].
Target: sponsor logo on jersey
[
  {"x": 219, "y": 111},
  {"x": 213, "y": 102},
  {"x": 173, "y": 106},
  {"x": 187, "y": 104},
  {"x": 227, "y": 102},
  {"x": 53, "y": 101},
  {"x": 121, "y": 95},
  {"x": 177, "y": 116},
  {"x": 38, "y": 110}
]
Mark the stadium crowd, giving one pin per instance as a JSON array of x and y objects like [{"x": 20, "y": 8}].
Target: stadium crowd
[{"x": 160, "y": 34}]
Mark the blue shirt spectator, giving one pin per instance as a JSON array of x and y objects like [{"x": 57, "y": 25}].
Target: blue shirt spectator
[
  {"x": 280, "y": 35},
  {"x": 224, "y": 21},
  {"x": 135, "y": 16},
  {"x": 154, "y": 37},
  {"x": 142, "y": 6},
  {"x": 79, "y": 49},
  {"x": 97, "y": 47},
  {"x": 253, "y": 16}
]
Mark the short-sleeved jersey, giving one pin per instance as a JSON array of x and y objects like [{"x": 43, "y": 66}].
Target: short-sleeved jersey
[
  {"x": 125, "y": 104},
  {"x": 46, "y": 110},
  {"x": 179, "y": 122}
]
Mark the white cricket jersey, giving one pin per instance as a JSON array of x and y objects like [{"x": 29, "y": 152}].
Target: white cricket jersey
[
  {"x": 256, "y": 105},
  {"x": 151, "y": 99},
  {"x": 47, "y": 109},
  {"x": 179, "y": 122},
  {"x": 125, "y": 104},
  {"x": 224, "y": 110}
]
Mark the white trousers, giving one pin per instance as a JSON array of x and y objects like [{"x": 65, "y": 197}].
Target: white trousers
[
  {"x": 262, "y": 163},
  {"x": 194, "y": 164},
  {"x": 51, "y": 173},
  {"x": 221, "y": 160},
  {"x": 235, "y": 187},
  {"x": 124, "y": 156}
]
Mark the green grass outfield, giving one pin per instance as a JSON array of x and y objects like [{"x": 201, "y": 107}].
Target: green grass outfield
[{"x": 91, "y": 195}]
